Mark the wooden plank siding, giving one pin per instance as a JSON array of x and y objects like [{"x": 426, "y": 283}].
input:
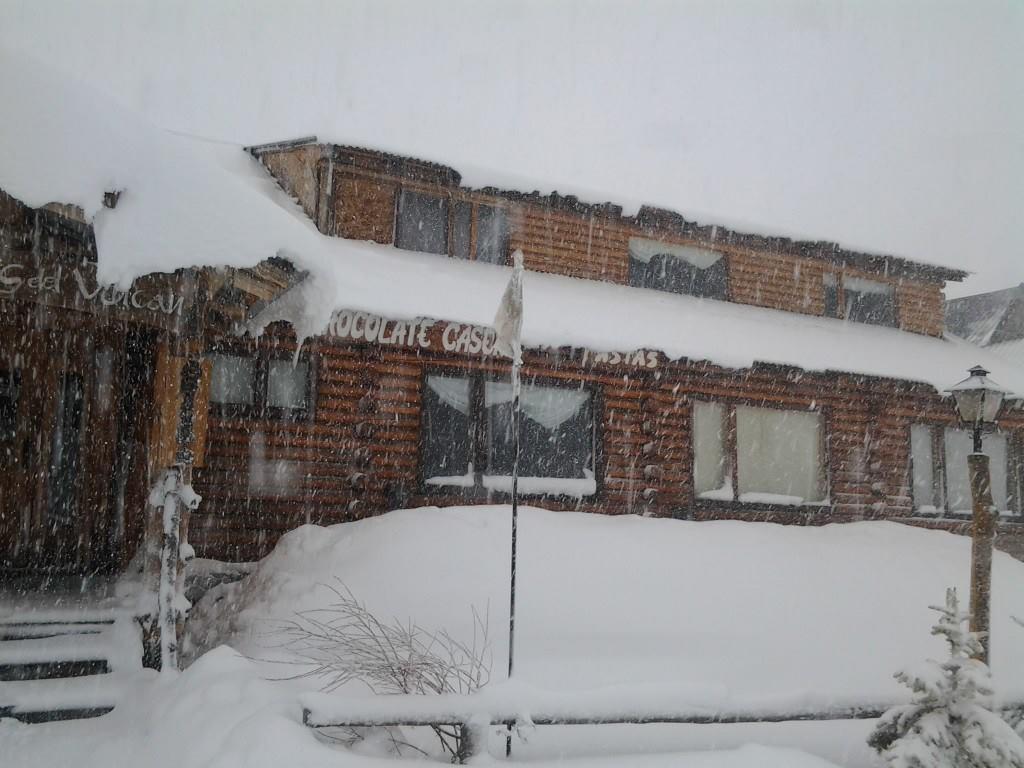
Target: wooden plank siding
[
  {"x": 560, "y": 235},
  {"x": 359, "y": 451}
]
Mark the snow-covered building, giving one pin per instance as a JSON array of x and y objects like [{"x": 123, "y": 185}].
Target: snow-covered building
[{"x": 672, "y": 369}]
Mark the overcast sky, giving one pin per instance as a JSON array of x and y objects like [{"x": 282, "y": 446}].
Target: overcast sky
[{"x": 890, "y": 126}]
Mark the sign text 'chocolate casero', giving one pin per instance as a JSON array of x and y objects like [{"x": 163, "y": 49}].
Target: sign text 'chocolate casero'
[{"x": 456, "y": 338}]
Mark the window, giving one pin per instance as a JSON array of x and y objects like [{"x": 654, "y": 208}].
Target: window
[
  {"x": 491, "y": 236},
  {"x": 9, "y": 386},
  {"x": 462, "y": 230},
  {"x": 770, "y": 456},
  {"x": 927, "y": 494},
  {"x": 677, "y": 269},
  {"x": 233, "y": 380},
  {"x": 288, "y": 384},
  {"x": 938, "y": 459},
  {"x": 860, "y": 300},
  {"x": 446, "y": 428},
  {"x": 422, "y": 222},
  {"x": 467, "y": 436},
  {"x": 260, "y": 386}
]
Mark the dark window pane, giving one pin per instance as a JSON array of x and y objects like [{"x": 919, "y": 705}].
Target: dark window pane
[
  {"x": 422, "y": 222},
  {"x": 491, "y": 235},
  {"x": 447, "y": 442},
  {"x": 556, "y": 431},
  {"x": 9, "y": 385},
  {"x": 831, "y": 296},
  {"x": 461, "y": 225},
  {"x": 65, "y": 450},
  {"x": 869, "y": 302}
]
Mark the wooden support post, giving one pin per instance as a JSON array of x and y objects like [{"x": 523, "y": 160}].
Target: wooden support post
[
  {"x": 473, "y": 738},
  {"x": 982, "y": 535}
]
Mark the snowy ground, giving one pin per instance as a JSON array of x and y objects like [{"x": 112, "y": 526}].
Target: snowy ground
[{"x": 727, "y": 614}]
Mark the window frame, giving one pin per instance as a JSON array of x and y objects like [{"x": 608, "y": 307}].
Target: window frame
[
  {"x": 1014, "y": 472},
  {"x": 731, "y": 453},
  {"x": 453, "y": 204},
  {"x": 260, "y": 410},
  {"x": 842, "y": 311},
  {"x": 634, "y": 275},
  {"x": 478, "y": 436}
]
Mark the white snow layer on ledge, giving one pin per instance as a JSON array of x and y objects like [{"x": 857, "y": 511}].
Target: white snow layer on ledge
[{"x": 187, "y": 202}]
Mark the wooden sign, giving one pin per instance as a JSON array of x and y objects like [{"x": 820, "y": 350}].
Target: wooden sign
[
  {"x": 158, "y": 299},
  {"x": 454, "y": 338}
]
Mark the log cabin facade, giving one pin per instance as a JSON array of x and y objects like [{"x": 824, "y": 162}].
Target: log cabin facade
[{"x": 379, "y": 412}]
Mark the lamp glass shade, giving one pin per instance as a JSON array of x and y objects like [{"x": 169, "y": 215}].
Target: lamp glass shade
[{"x": 978, "y": 399}]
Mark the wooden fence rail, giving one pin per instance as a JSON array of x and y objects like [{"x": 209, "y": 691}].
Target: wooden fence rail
[{"x": 475, "y": 714}]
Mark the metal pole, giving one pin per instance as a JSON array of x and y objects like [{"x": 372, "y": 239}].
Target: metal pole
[
  {"x": 515, "y": 527},
  {"x": 515, "y": 516},
  {"x": 982, "y": 534}
]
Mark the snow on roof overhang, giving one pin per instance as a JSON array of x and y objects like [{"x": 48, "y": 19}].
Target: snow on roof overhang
[{"x": 649, "y": 217}]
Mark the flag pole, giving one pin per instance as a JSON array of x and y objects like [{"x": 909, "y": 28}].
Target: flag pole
[
  {"x": 507, "y": 325},
  {"x": 515, "y": 529},
  {"x": 515, "y": 514}
]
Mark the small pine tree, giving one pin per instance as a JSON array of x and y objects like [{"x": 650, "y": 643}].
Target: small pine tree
[{"x": 950, "y": 723}]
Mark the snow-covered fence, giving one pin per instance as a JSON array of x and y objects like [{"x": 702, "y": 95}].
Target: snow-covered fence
[{"x": 505, "y": 706}]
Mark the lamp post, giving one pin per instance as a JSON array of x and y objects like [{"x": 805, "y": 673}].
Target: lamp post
[{"x": 978, "y": 400}]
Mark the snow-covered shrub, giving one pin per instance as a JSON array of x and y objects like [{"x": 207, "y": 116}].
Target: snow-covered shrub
[
  {"x": 950, "y": 723},
  {"x": 345, "y": 642}
]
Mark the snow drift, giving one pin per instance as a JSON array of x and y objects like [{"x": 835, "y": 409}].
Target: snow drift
[
  {"x": 727, "y": 613},
  {"x": 739, "y": 610}
]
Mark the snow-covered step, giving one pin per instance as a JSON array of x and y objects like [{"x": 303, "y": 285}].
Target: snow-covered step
[
  {"x": 60, "y": 648},
  {"x": 39, "y": 630},
  {"x": 62, "y": 699},
  {"x": 68, "y": 666}
]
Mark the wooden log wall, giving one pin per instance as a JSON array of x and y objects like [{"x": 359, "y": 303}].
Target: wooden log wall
[
  {"x": 560, "y": 235},
  {"x": 358, "y": 454}
]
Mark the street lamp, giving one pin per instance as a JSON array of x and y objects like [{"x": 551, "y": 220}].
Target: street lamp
[{"x": 978, "y": 400}]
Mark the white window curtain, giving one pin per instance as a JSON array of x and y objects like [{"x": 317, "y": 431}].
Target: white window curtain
[
  {"x": 779, "y": 454},
  {"x": 548, "y": 406},
  {"x": 861, "y": 285},
  {"x": 232, "y": 380},
  {"x": 924, "y": 468},
  {"x": 287, "y": 384},
  {"x": 959, "y": 445},
  {"x": 452, "y": 391},
  {"x": 644, "y": 250},
  {"x": 709, "y": 463}
]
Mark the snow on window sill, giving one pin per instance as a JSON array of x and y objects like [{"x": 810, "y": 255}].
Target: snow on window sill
[
  {"x": 1006, "y": 515},
  {"x": 452, "y": 481},
  {"x": 719, "y": 494},
  {"x": 547, "y": 486},
  {"x": 751, "y": 497},
  {"x": 550, "y": 486}
]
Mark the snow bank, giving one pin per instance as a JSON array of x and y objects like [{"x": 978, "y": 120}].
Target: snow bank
[
  {"x": 741, "y": 612},
  {"x": 725, "y": 613}
]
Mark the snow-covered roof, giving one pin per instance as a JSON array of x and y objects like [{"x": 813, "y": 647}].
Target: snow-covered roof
[
  {"x": 979, "y": 318},
  {"x": 186, "y": 202},
  {"x": 564, "y": 311},
  {"x": 1011, "y": 350}
]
